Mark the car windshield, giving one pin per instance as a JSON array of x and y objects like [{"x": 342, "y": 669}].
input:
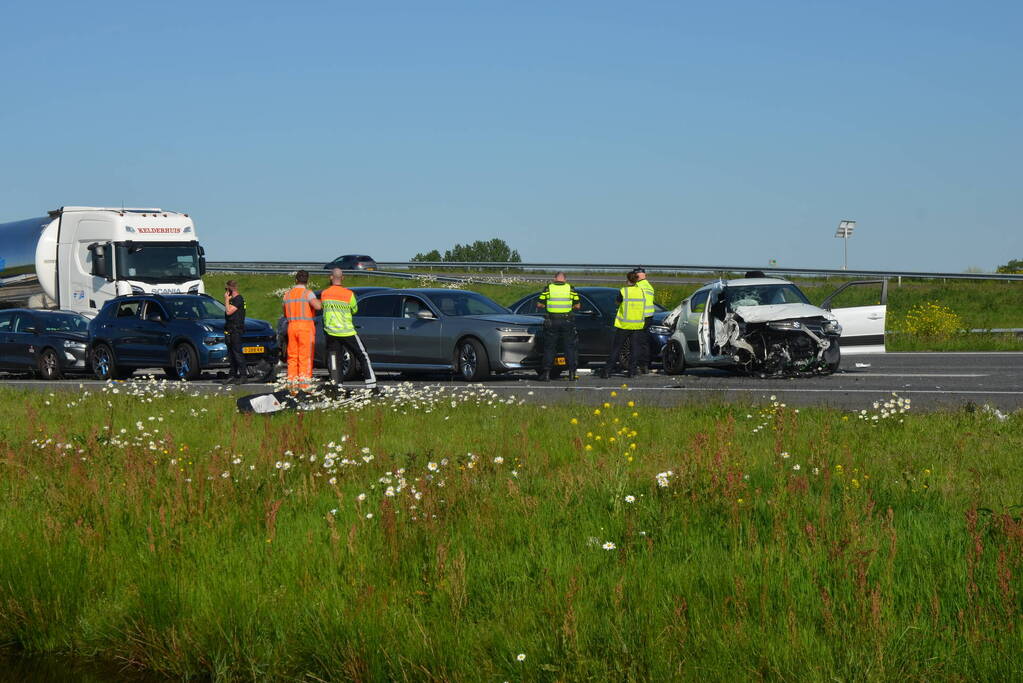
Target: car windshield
[
  {"x": 195, "y": 308},
  {"x": 465, "y": 303},
  {"x": 607, "y": 301},
  {"x": 64, "y": 322},
  {"x": 764, "y": 295}
]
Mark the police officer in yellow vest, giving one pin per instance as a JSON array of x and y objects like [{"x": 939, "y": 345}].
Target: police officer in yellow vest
[
  {"x": 339, "y": 305},
  {"x": 641, "y": 342},
  {"x": 560, "y": 301},
  {"x": 628, "y": 325}
]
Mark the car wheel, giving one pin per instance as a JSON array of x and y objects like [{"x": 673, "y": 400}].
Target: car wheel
[
  {"x": 104, "y": 366},
  {"x": 49, "y": 365},
  {"x": 471, "y": 362},
  {"x": 624, "y": 355},
  {"x": 186, "y": 362},
  {"x": 349, "y": 366},
  {"x": 674, "y": 358}
]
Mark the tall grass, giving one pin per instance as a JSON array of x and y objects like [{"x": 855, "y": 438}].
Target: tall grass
[
  {"x": 808, "y": 544},
  {"x": 979, "y": 304}
]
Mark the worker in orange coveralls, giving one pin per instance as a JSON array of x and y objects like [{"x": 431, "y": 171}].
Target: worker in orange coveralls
[{"x": 299, "y": 307}]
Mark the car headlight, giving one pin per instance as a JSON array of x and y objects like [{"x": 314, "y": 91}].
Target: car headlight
[
  {"x": 213, "y": 341},
  {"x": 137, "y": 290},
  {"x": 785, "y": 325},
  {"x": 659, "y": 329},
  {"x": 77, "y": 345},
  {"x": 832, "y": 327},
  {"x": 194, "y": 289},
  {"x": 512, "y": 329}
]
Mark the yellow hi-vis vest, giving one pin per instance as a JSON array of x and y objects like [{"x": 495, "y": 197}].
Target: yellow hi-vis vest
[
  {"x": 338, "y": 307},
  {"x": 648, "y": 289},
  {"x": 630, "y": 311},
  {"x": 559, "y": 297}
]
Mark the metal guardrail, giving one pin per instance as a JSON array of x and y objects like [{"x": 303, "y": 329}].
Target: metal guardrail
[{"x": 411, "y": 268}]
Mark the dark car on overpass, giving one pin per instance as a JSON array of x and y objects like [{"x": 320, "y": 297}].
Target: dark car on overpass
[
  {"x": 594, "y": 323},
  {"x": 49, "y": 344},
  {"x": 352, "y": 262}
]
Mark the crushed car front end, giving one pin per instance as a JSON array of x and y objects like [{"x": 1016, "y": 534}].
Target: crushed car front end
[{"x": 781, "y": 347}]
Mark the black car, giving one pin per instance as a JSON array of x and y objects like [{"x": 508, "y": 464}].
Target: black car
[
  {"x": 352, "y": 262},
  {"x": 50, "y": 344},
  {"x": 320, "y": 344},
  {"x": 181, "y": 333},
  {"x": 594, "y": 323}
]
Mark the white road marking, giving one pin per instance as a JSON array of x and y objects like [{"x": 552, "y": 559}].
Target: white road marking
[
  {"x": 897, "y": 390},
  {"x": 914, "y": 374}
]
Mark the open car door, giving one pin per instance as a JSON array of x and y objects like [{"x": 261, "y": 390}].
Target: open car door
[
  {"x": 861, "y": 308},
  {"x": 707, "y": 327}
]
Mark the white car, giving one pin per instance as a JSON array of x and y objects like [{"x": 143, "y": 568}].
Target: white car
[{"x": 766, "y": 326}]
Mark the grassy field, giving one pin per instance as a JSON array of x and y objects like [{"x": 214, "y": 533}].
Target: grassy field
[
  {"x": 430, "y": 537},
  {"x": 980, "y": 305}
]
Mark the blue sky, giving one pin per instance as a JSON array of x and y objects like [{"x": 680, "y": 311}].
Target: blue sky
[{"x": 647, "y": 132}]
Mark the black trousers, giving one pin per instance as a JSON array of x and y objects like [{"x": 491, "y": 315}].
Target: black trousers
[
  {"x": 641, "y": 345},
  {"x": 560, "y": 327},
  {"x": 616, "y": 348},
  {"x": 335, "y": 355},
  {"x": 234, "y": 353}
]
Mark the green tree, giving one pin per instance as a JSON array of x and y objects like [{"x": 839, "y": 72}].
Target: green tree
[
  {"x": 1013, "y": 266},
  {"x": 432, "y": 255},
  {"x": 495, "y": 250}
]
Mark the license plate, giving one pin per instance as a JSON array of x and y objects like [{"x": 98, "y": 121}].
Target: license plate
[
  {"x": 560, "y": 360},
  {"x": 253, "y": 349}
]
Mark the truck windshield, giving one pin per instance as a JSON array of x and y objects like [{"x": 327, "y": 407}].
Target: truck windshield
[{"x": 154, "y": 262}]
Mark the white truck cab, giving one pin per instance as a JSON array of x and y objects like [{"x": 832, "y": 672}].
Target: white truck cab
[{"x": 82, "y": 256}]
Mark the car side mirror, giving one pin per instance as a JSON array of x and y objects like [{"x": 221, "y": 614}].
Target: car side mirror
[{"x": 425, "y": 314}]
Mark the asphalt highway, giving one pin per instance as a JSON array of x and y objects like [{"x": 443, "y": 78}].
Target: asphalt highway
[{"x": 932, "y": 380}]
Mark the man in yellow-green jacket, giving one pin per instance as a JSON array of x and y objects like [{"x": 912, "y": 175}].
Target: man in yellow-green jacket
[
  {"x": 629, "y": 322},
  {"x": 641, "y": 342}
]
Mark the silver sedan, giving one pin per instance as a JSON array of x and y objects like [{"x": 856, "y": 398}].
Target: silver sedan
[{"x": 446, "y": 330}]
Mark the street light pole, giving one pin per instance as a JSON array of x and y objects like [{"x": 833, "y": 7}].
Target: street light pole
[{"x": 844, "y": 231}]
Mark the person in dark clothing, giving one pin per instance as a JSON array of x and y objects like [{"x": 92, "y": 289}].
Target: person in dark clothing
[
  {"x": 560, "y": 301},
  {"x": 234, "y": 326}
]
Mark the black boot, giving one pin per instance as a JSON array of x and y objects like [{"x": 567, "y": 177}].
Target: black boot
[
  {"x": 571, "y": 375},
  {"x": 545, "y": 376},
  {"x": 605, "y": 373}
]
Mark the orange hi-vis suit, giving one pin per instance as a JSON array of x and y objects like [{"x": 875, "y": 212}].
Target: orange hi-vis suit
[{"x": 301, "y": 335}]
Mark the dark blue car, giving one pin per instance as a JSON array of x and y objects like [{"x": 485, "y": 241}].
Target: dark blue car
[
  {"x": 181, "y": 333},
  {"x": 594, "y": 324},
  {"x": 50, "y": 344}
]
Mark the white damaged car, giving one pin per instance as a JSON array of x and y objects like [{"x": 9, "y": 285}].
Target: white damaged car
[{"x": 766, "y": 326}]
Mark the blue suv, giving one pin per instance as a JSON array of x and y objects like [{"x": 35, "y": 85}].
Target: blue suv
[{"x": 182, "y": 333}]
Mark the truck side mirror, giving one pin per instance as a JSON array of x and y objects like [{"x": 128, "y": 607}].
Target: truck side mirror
[
  {"x": 100, "y": 267},
  {"x": 202, "y": 260}
]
